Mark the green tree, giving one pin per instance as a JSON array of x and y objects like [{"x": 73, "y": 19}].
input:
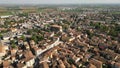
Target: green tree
[
  {"x": 1, "y": 35},
  {"x": 112, "y": 32},
  {"x": 34, "y": 37},
  {"x": 23, "y": 14},
  {"x": 29, "y": 32},
  {"x": 90, "y": 35},
  {"x": 12, "y": 41},
  {"x": 13, "y": 46},
  {"x": 22, "y": 37},
  {"x": 39, "y": 38}
]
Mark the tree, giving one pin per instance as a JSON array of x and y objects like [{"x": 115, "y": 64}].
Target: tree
[
  {"x": 90, "y": 35},
  {"x": 1, "y": 35},
  {"x": 65, "y": 26},
  {"x": 78, "y": 28},
  {"x": 12, "y": 41},
  {"x": 34, "y": 37},
  {"x": 39, "y": 38},
  {"x": 29, "y": 32},
  {"x": 22, "y": 37},
  {"x": 112, "y": 32},
  {"x": 20, "y": 21},
  {"x": 71, "y": 61},
  {"x": 13, "y": 45},
  {"x": 23, "y": 14}
]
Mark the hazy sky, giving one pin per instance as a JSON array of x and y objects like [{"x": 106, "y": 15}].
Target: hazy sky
[{"x": 57, "y": 1}]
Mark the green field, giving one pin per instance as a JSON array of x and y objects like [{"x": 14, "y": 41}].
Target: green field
[
  {"x": 5, "y": 13},
  {"x": 117, "y": 12}
]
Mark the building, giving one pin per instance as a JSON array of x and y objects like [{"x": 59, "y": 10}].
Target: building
[{"x": 56, "y": 28}]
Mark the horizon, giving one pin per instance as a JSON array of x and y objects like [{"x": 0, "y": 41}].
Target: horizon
[
  {"x": 91, "y": 4},
  {"x": 55, "y": 2}
]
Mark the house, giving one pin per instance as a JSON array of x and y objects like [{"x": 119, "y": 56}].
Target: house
[
  {"x": 97, "y": 63},
  {"x": 44, "y": 65},
  {"x": 13, "y": 29},
  {"x": 20, "y": 42},
  {"x": 66, "y": 63},
  {"x": 109, "y": 54},
  {"x": 3, "y": 50},
  {"x": 29, "y": 58},
  {"x": 6, "y": 16},
  {"x": 56, "y": 28},
  {"x": 116, "y": 65},
  {"x": 91, "y": 66},
  {"x": 88, "y": 56},
  {"x": 64, "y": 38},
  {"x": 73, "y": 66},
  {"x": 61, "y": 64},
  {"x": 6, "y": 37},
  {"x": 36, "y": 51},
  {"x": 79, "y": 64},
  {"x": 32, "y": 42},
  {"x": 26, "y": 45},
  {"x": 71, "y": 39},
  {"x": 76, "y": 59},
  {"x": 21, "y": 65},
  {"x": 13, "y": 51},
  {"x": 13, "y": 57},
  {"x": 29, "y": 61},
  {"x": 6, "y": 64},
  {"x": 102, "y": 46}
]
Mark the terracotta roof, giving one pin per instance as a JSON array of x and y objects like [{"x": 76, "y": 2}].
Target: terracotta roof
[
  {"x": 32, "y": 42},
  {"x": 117, "y": 65},
  {"x": 13, "y": 51},
  {"x": 66, "y": 63},
  {"x": 6, "y": 64},
  {"x": 20, "y": 65},
  {"x": 61, "y": 64},
  {"x": 91, "y": 66},
  {"x": 44, "y": 65},
  {"x": 28, "y": 53},
  {"x": 97, "y": 63},
  {"x": 73, "y": 66},
  {"x": 3, "y": 49}
]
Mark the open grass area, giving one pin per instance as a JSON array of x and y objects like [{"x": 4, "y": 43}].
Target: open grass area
[
  {"x": 115, "y": 12},
  {"x": 5, "y": 12}
]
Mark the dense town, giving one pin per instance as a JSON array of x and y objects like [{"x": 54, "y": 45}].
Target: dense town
[{"x": 62, "y": 37}]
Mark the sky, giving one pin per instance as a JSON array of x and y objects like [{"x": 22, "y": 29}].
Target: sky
[{"x": 58, "y": 1}]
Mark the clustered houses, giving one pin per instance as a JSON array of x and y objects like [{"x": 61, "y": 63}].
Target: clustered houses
[
  {"x": 25, "y": 54},
  {"x": 58, "y": 39},
  {"x": 78, "y": 52}
]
